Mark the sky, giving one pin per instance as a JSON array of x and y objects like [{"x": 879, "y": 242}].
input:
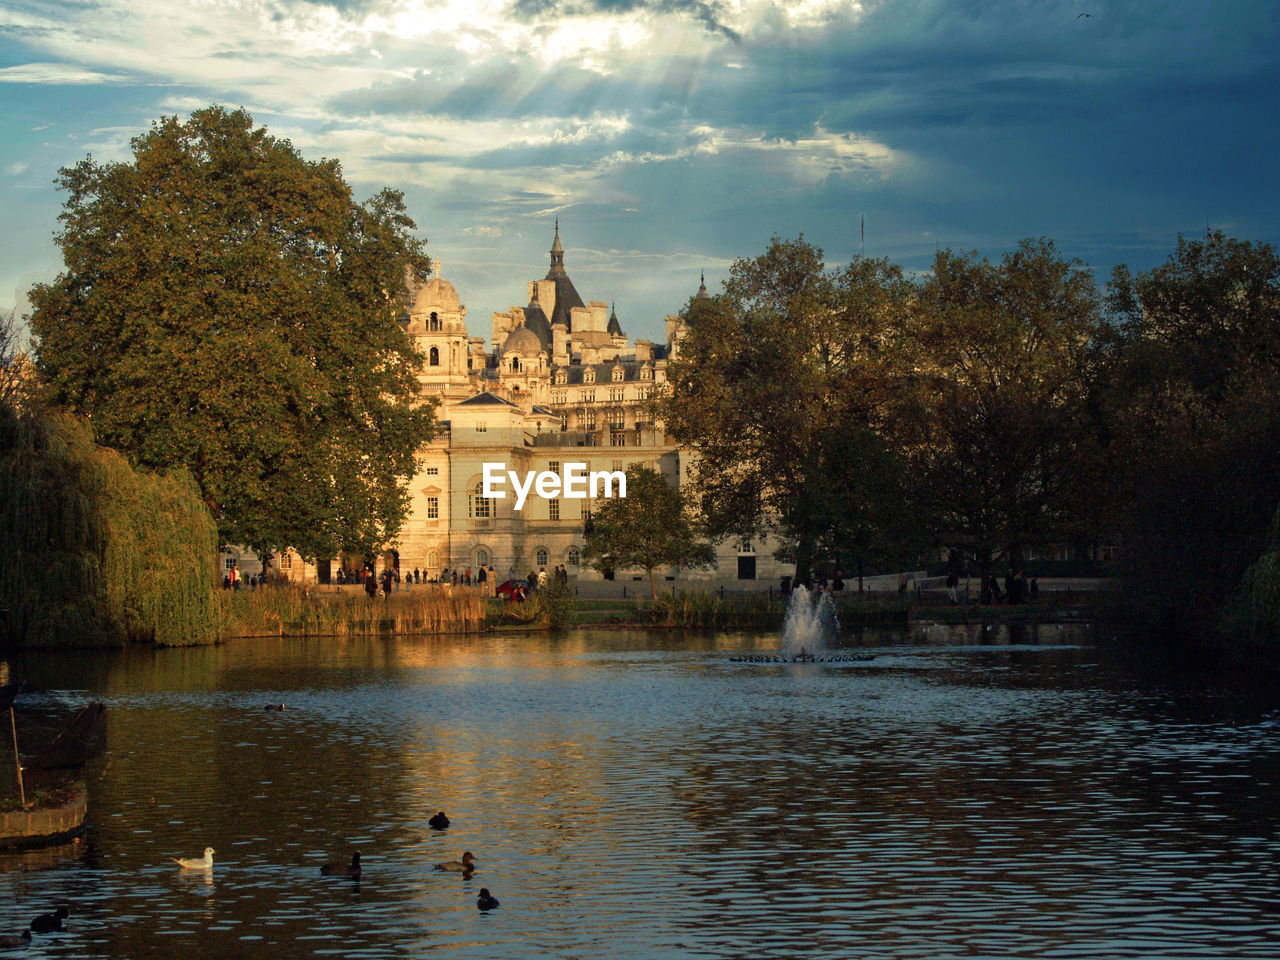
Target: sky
[{"x": 674, "y": 136}]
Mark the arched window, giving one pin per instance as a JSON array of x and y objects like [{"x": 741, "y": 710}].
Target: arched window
[
  {"x": 433, "y": 559},
  {"x": 515, "y": 363},
  {"x": 433, "y": 358},
  {"x": 435, "y": 320},
  {"x": 482, "y": 557},
  {"x": 575, "y": 556},
  {"x": 541, "y": 557},
  {"x": 479, "y": 507}
]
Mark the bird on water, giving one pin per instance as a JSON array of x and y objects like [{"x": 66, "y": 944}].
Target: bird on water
[
  {"x": 439, "y": 821},
  {"x": 50, "y": 922},
  {"x": 196, "y": 863},
  {"x": 465, "y": 865},
  {"x": 9, "y": 940},
  {"x": 486, "y": 900},
  {"x": 351, "y": 869}
]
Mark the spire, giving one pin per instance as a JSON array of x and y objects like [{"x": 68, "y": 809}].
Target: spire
[
  {"x": 557, "y": 255},
  {"x": 615, "y": 328},
  {"x": 702, "y": 287}
]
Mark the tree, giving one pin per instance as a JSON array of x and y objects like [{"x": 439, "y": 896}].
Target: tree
[
  {"x": 780, "y": 386},
  {"x": 650, "y": 527},
  {"x": 994, "y": 420},
  {"x": 1193, "y": 406},
  {"x": 228, "y": 307}
]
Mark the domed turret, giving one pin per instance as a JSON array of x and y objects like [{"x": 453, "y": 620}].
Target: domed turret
[
  {"x": 437, "y": 294},
  {"x": 522, "y": 342}
]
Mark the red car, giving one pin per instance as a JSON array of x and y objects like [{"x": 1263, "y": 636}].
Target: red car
[{"x": 512, "y": 590}]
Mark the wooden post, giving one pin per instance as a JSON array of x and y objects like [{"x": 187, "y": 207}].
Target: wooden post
[{"x": 17, "y": 759}]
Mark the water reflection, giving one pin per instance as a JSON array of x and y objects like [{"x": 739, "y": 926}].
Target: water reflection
[{"x": 638, "y": 795}]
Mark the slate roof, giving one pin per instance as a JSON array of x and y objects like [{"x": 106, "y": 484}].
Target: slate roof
[{"x": 485, "y": 399}]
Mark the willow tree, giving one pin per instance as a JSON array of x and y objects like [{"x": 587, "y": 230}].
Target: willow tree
[
  {"x": 780, "y": 386},
  {"x": 228, "y": 307}
]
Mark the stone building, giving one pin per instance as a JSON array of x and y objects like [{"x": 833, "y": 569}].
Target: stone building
[{"x": 557, "y": 382}]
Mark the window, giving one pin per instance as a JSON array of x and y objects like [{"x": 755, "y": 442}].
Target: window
[
  {"x": 746, "y": 547},
  {"x": 541, "y": 557},
  {"x": 642, "y": 393},
  {"x": 635, "y": 437},
  {"x": 231, "y": 563},
  {"x": 482, "y": 428},
  {"x": 515, "y": 363},
  {"x": 588, "y": 396},
  {"x": 618, "y": 374},
  {"x": 482, "y": 557},
  {"x": 617, "y": 439},
  {"x": 575, "y": 556},
  {"x": 589, "y": 375},
  {"x": 433, "y": 357},
  {"x": 559, "y": 397},
  {"x": 564, "y": 422},
  {"x": 589, "y": 420},
  {"x": 553, "y": 509},
  {"x": 433, "y": 471},
  {"x": 616, "y": 394},
  {"x": 646, "y": 374},
  {"x": 479, "y": 507},
  {"x": 286, "y": 561},
  {"x": 433, "y": 508},
  {"x": 553, "y": 466},
  {"x": 435, "y": 320},
  {"x": 586, "y": 513},
  {"x": 433, "y": 559},
  {"x": 617, "y": 419},
  {"x": 561, "y": 376}
]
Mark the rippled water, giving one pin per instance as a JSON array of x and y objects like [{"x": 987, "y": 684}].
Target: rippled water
[{"x": 640, "y": 795}]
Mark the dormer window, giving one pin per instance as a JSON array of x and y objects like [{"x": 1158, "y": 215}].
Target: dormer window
[
  {"x": 646, "y": 374},
  {"x": 618, "y": 374},
  {"x": 561, "y": 376},
  {"x": 589, "y": 375}
]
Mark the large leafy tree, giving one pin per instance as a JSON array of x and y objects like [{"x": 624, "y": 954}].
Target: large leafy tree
[
  {"x": 228, "y": 306},
  {"x": 780, "y": 387},
  {"x": 650, "y": 527},
  {"x": 995, "y": 420},
  {"x": 1193, "y": 398}
]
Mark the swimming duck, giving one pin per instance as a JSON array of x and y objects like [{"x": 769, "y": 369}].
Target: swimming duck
[
  {"x": 465, "y": 865},
  {"x": 274, "y": 706},
  {"x": 343, "y": 869},
  {"x": 9, "y": 940},
  {"x": 192, "y": 863},
  {"x": 49, "y": 922},
  {"x": 439, "y": 821},
  {"x": 486, "y": 900}
]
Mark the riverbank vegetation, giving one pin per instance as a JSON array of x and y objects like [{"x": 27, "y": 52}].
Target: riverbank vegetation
[
  {"x": 294, "y": 611},
  {"x": 97, "y": 552},
  {"x": 987, "y": 409}
]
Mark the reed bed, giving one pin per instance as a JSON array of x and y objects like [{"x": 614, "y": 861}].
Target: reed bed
[
  {"x": 705, "y": 610},
  {"x": 302, "y": 611}
]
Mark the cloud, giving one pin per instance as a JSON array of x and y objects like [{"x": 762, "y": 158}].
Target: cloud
[
  {"x": 58, "y": 74},
  {"x": 17, "y": 169}
]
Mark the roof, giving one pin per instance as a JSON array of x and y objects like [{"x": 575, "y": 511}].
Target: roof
[
  {"x": 615, "y": 328},
  {"x": 536, "y": 320},
  {"x": 604, "y": 371},
  {"x": 485, "y": 399},
  {"x": 566, "y": 294},
  {"x": 522, "y": 341},
  {"x": 438, "y": 293}
]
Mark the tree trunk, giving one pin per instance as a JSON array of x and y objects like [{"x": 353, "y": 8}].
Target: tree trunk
[
  {"x": 653, "y": 587},
  {"x": 804, "y": 561}
]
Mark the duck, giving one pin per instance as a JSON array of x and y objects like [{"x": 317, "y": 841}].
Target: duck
[
  {"x": 439, "y": 822},
  {"x": 192, "y": 863},
  {"x": 343, "y": 869},
  {"x": 9, "y": 940},
  {"x": 465, "y": 865},
  {"x": 50, "y": 922},
  {"x": 486, "y": 900},
  {"x": 274, "y": 706}
]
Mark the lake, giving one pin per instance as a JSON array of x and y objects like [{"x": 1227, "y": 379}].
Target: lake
[{"x": 641, "y": 795}]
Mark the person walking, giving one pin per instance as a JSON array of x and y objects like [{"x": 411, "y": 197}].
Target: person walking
[{"x": 482, "y": 578}]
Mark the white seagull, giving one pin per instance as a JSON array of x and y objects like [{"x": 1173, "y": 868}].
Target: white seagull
[{"x": 203, "y": 863}]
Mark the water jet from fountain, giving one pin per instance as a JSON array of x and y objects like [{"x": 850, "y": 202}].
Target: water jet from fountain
[{"x": 810, "y": 624}]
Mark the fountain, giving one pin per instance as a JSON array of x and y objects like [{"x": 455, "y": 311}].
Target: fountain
[{"x": 809, "y": 624}]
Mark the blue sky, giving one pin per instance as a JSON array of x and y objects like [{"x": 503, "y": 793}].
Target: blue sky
[{"x": 672, "y": 136}]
